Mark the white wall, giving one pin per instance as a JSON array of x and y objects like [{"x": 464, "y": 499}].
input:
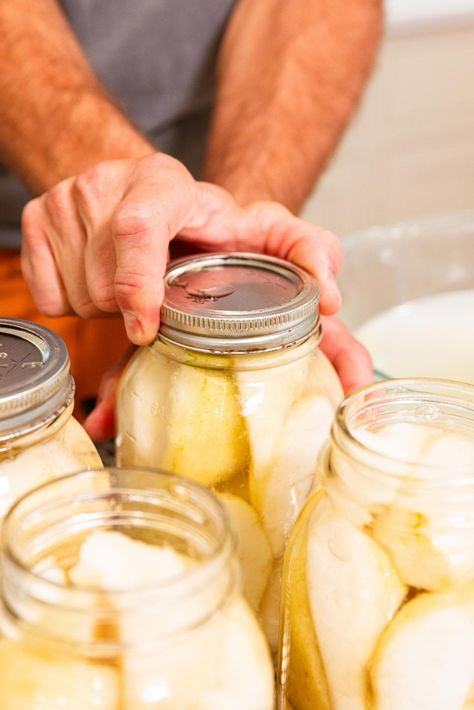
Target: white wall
[
  {"x": 410, "y": 149},
  {"x": 406, "y": 13}
]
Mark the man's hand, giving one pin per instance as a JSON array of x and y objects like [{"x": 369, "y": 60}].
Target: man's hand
[
  {"x": 348, "y": 356},
  {"x": 98, "y": 243}
]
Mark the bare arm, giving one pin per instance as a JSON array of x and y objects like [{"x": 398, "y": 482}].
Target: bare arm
[
  {"x": 290, "y": 75},
  {"x": 56, "y": 119}
]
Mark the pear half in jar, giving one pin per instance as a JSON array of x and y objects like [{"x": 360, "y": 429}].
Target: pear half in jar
[
  {"x": 206, "y": 437},
  {"x": 142, "y": 409},
  {"x": 301, "y": 665},
  {"x": 222, "y": 656},
  {"x": 353, "y": 593},
  {"x": 182, "y": 417},
  {"x": 253, "y": 549},
  {"x": 267, "y": 396},
  {"x": 68, "y": 450},
  {"x": 430, "y": 549},
  {"x": 283, "y": 491},
  {"x": 424, "y": 660}
]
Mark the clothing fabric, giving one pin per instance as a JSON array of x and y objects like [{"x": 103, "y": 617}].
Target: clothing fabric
[{"x": 157, "y": 58}]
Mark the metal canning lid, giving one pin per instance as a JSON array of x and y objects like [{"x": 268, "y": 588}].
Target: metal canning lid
[
  {"x": 35, "y": 382},
  {"x": 238, "y": 303}
]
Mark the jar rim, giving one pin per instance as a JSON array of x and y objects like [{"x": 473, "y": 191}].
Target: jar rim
[
  {"x": 114, "y": 486},
  {"x": 344, "y": 434}
]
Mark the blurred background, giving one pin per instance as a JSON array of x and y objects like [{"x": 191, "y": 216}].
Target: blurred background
[
  {"x": 400, "y": 192},
  {"x": 410, "y": 149}
]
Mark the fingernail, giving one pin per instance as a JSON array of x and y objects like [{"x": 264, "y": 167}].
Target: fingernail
[{"x": 133, "y": 327}]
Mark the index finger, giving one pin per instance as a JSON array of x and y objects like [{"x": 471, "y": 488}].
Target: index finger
[{"x": 152, "y": 211}]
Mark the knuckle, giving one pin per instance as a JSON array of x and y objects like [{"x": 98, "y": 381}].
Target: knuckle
[
  {"x": 88, "y": 184},
  {"x": 57, "y": 201},
  {"x": 267, "y": 209},
  {"x": 103, "y": 298},
  {"x": 126, "y": 291},
  {"x": 161, "y": 162},
  {"x": 135, "y": 219}
]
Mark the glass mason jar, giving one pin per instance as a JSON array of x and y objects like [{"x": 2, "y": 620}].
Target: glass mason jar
[
  {"x": 39, "y": 438},
  {"x": 378, "y": 600},
  {"x": 235, "y": 394},
  {"x": 120, "y": 591}
]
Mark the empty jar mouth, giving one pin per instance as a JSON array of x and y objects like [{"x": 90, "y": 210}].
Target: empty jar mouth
[{"x": 45, "y": 529}]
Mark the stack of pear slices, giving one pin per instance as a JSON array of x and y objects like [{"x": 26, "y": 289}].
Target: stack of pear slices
[
  {"x": 249, "y": 427},
  {"x": 380, "y": 597},
  {"x": 221, "y": 664}
]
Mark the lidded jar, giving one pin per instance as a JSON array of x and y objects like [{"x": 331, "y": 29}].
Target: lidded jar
[
  {"x": 39, "y": 438},
  {"x": 235, "y": 394},
  {"x": 378, "y": 588},
  {"x": 120, "y": 591}
]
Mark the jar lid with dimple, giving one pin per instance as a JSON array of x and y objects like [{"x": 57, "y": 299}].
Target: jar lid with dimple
[
  {"x": 35, "y": 382},
  {"x": 238, "y": 303}
]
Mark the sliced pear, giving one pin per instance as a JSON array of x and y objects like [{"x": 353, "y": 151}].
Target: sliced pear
[
  {"x": 142, "y": 408},
  {"x": 428, "y": 547},
  {"x": 353, "y": 592},
  {"x": 179, "y": 673},
  {"x": 206, "y": 433},
  {"x": 32, "y": 678},
  {"x": 323, "y": 378},
  {"x": 236, "y": 667},
  {"x": 406, "y": 537},
  {"x": 372, "y": 483},
  {"x": 289, "y": 480},
  {"x": 450, "y": 452},
  {"x": 266, "y": 396},
  {"x": 78, "y": 442},
  {"x": 113, "y": 561},
  {"x": 301, "y": 667},
  {"x": 425, "y": 658},
  {"x": 68, "y": 451},
  {"x": 169, "y": 670},
  {"x": 253, "y": 548},
  {"x": 245, "y": 669}
]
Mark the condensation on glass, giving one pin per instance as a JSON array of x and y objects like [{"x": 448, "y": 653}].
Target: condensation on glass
[
  {"x": 235, "y": 394},
  {"x": 39, "y": 438},
  {"x": 378, "y": 589},
  {"x": 120, "y": 591}
]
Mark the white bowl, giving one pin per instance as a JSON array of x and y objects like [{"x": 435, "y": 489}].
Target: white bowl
[{"x": 408, "y": 293}]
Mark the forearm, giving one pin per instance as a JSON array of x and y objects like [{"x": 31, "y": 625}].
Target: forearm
[
  {"x": 55, "y": 117},
  {"x": 289, "y": 77}
]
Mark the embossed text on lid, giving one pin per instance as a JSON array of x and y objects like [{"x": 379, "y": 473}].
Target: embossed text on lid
[
  {"x": 34, "y": 375},
  {"x": 238, "y": 302}
]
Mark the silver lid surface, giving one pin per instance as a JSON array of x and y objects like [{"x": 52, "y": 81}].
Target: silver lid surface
[
  {"x": 35, "y": 382},
  {"x": 238, "y": 303}
]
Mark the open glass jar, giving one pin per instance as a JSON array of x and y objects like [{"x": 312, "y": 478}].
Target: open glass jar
[
  {"x": 119, "y": 591},
  {"x": 39, "y": 438},
  {"x": 378, "y": 600},
  {"x": 235, "y": 394}
]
